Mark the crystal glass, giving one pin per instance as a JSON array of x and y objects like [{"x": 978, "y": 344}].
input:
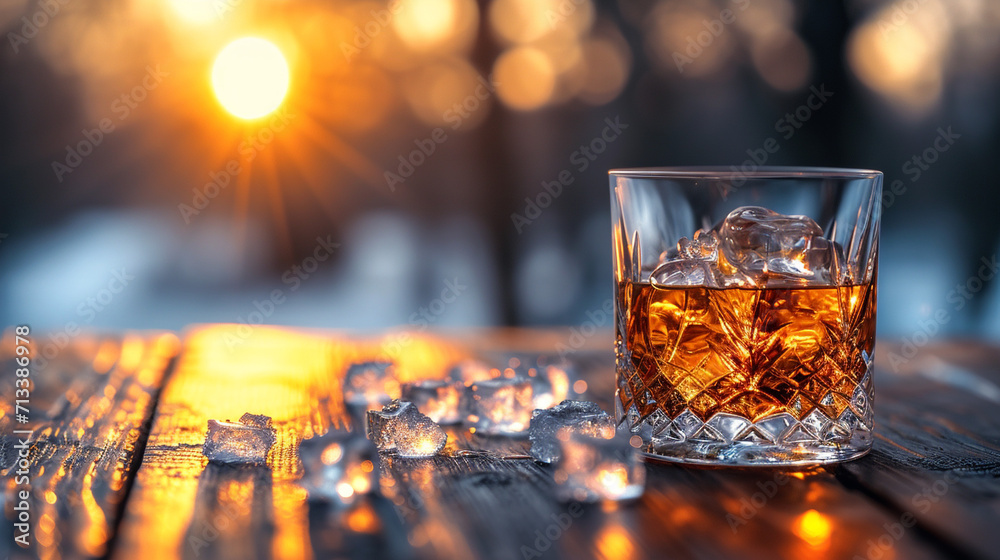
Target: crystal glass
[{"x": 745, "y": 312}]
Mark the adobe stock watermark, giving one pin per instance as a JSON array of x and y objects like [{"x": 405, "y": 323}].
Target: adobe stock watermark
[
  {"x": 916, "y": 166},
  {"x": 581, "y": 159},
  {"x": 455, "y": 115},
  {"x": 211, "y": 530},
  {"x": 122, "y": 107},
  {"x": 713, "y": 28},
  {"x": 32, "y": 24},
  {"x": 293, "y": 278},
  {"x": 750, "y": 507},
  {"x": 364, "y": 35},
  {"x": 579, "y": 335},
  {"x": 898, "y": 16},
  {"x": 251, "y": 146},
  {"x": 548, "y": 535},
  {"x": 958, "y": 297},
  {"x": 787, "y": 126},
  {"x": 221, "y": 7},
  {"x": 87, "y": 311},
  {"x": 882, "y": 546},
  {"x": 421, "y": 319}
]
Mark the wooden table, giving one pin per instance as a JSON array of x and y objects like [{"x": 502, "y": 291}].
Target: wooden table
[{"x": 116, "y": 468}]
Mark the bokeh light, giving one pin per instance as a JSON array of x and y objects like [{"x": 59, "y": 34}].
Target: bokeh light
[
  {"x": 607, "y": 68},
  {"x": 448, "y": 92},
  {"x": 814, "y": 528},
  {"x": 525, "y": 78},
  {"x": 902, "y": 59},
  {"x": 526, "y": 21},
  {"x": 436, "y": 25},
  {"x": 782, "y": 60},
  {"x": 250, "y": 77},
  {"x": 196, "y": 11},
  {"x": 425, "y": 21},
  {"x": 672, "y": 38}
]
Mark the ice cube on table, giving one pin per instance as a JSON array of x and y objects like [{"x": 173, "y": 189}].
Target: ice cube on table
[
  {"x": 552, "y": 384},
  {"x": 769, "y": 247},
  {"x": 438, "y": 399},
  {"x": 552, "y": 426},
  {"x": 369, "y": 386},
  {"x": 469, "y": 371},
  {"x": 247, "y": 441},
  {"x": 256, "y": 421},
  {"x": 338, "y": 466},
  {"x": 400, "y": 427},
  {"x": 592, "y": 469},
  {"x": 499, "y": 406},
  {"x": 541, "y": 385}
]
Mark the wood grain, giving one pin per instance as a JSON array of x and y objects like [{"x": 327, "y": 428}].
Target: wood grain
[
  {"x": 181, "y": 505},
  {"x": 936, "y": 462},
  {"x": 85, "y": 443}
]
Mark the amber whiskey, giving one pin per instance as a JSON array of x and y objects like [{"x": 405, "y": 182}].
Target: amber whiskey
[{"x": 752, "y": 353}]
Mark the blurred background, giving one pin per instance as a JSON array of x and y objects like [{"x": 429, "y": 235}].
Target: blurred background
[{"x": 442, "y": 163}]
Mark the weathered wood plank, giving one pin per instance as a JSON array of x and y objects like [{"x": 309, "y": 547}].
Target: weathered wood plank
[
  {"x": 469, "y": 507},
  {"x": 934, "y": 418},
  {"x": 489, "y": 508},
  {"x": 183, "y": 507},
  {"x": 368, "y": 528},
  {"x": 937, "y": 448},
  {"x": 84, "y": 444}
]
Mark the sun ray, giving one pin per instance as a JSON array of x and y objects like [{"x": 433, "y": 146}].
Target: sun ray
[
  {"x": 300, "y": 165},
  {"x": 241, "y": 209},
  {"x": 273, "y": 187},
  {"x": 344, "y": 152}
]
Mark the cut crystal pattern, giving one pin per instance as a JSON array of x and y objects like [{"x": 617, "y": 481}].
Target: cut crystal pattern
[{"x": 765, "y": 367}]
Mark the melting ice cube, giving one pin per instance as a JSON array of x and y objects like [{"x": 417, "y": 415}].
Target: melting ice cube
[
  {"x": 704, "y": 246},
  {"x": 369, "y": 386},
  {"x": 438, "y": 399},
  {"x": 768, "y": 246},
  {"x": 246, "y": 441},
  {"x": 753, "y": 246},
  {"x": 591, "y": 469},
  {"x": 549, "y": 428},
  {"x": 683, "y": 272},
  {"x": 692, "y": 264},
  {"x": 256, "y": 421},
  {"x": 400, "y": 427},
  {"x": 499, "y": 406},
  {"x": 338, "y": 466},
  {"x": 550, "y": 383},
  {"x": 469, "y": 371}
]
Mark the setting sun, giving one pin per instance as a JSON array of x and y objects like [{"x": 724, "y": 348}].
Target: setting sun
[{"x": 250, "y": 77}]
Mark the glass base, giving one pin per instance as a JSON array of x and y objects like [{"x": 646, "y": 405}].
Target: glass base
[
  {"x": 834, "y": 429},
  {"x": 753, "y": 454},
  {"x": 777, "y": 440}
]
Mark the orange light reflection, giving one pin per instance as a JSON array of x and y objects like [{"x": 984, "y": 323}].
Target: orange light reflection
[
  {"x": 814, "y": 528},
  {"x": 614, "y": 543}
]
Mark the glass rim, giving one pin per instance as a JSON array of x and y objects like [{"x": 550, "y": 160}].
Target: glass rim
[{"x": 734, "y": 172}]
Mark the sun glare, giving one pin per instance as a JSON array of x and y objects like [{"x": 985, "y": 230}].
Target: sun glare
[
  {"x": 195, "y": 11},
  {"x": 250, "y": 77}
]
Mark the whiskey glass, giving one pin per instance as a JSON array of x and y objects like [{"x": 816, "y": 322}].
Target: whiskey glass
[{"x": 745, "y": 312}]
